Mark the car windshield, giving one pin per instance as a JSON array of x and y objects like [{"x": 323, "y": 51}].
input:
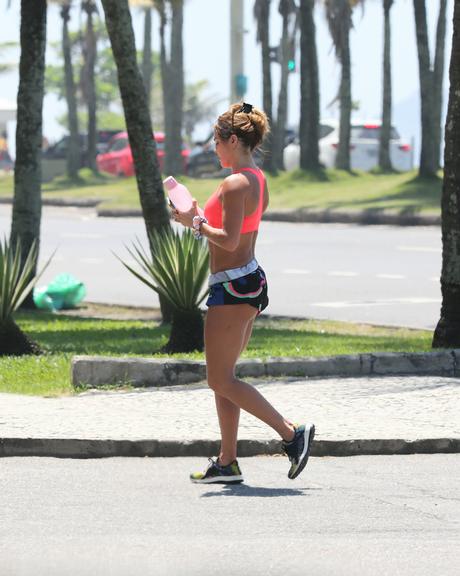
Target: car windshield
[
  {"x": 370, "y": 133},
  {"x": 118, "y": 144}
]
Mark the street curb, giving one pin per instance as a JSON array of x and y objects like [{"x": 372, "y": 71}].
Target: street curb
[
  {"x": 372, "y": 216},
  {"x": 62, "y": 202},
  {"x": 94, "y": 371},
  {"x": 81, "y": 448}
]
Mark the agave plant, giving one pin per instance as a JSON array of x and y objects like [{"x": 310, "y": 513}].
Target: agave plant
[
  {"x": 16, "y": 282},
  {"x": 176, "y": 268}
]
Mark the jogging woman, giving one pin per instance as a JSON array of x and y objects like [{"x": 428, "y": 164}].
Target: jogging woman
[{"x": 238, "y": 292}]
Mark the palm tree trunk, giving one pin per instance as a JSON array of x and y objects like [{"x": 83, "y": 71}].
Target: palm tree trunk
[
  {"x": 385, "y": 132},
  {"x": 264, "y": 39},
  {"x": 438, "y": 77},
  {"x": 173, "y": 136},
  {"x": 73, "y": 154},
  {"x": 186, "y": 332},
  {"x": 137, "y": 117},
  {"x": 309, "y": 89},
  {"x": 281, "y": 117},
  {"x": 427, "y": 156},
  {"x": 139, "y": 126},
  {"x": 90, "y": 52},
  {"x": 147, "y": 68},
  {"x": 164, "y": 65},
  {"x": 342, "y": 161},
  {"x": 447, "y": 333},
  {"x": 27, "y": 203}
]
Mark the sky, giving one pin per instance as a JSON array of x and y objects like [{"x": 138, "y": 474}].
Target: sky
[{"x": 207, "y": 56}]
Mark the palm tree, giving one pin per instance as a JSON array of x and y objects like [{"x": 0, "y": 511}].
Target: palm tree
[
  {"x": 288, "y": 10},
  {"x": 139, "y": 126},
  {"x": 385, "y": 133},
  {"x": 73, "y": 154},
  {"x": 26, "y": 219},
  {"x": 172, "y": 76},
  {"x": 262, "y": 17},
  {"x": 339, "y": 19},
  {"x": 430, "y": 87},
  {"x": 309, "y": 88},
  {"x": 88, "y": 79},
  {"x": 447, "y": 332},
  {"x": 147, "y": 66},
  {"x": 16, "y": 283},
  {"x": 438, "y": 78}
]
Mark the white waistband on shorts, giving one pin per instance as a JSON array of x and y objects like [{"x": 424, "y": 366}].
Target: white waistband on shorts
[{"x": 233, "y": 273}]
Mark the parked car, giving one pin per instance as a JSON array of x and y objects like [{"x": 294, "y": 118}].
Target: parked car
[
  {"x": 118, "y": 159},
  {"x": 60, "y": 148},
  {"x": 54, "y": 158},
  {"x": 364, "y": 147},
  {"x": 203, "y": 160}
]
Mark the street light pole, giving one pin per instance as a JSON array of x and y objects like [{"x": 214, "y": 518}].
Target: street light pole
[{"x": 238, "y": 81}]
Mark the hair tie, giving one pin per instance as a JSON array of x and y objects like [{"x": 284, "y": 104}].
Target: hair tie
[{"x": 246, "y": 108}]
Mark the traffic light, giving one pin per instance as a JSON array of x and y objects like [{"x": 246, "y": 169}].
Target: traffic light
[
  {"x": 241, "y": 85},
  {"x": 276, "y": 55}
]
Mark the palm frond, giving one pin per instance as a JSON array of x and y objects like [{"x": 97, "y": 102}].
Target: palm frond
[
  {"x": 338, "y": 16},
  {"x": 16, "y": 276},
  {"x": 176, "y": 267}
]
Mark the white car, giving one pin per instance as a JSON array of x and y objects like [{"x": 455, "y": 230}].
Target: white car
[{"x": 364, "y": 147}]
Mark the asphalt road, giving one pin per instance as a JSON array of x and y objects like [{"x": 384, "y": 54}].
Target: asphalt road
[
  {"x": 363, "y": 516},
  {"x": 375, "y": 274}
]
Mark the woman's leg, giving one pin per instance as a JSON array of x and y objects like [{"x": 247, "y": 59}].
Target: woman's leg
[
  {"x": 229, "y": 413},
  {"x": 225, "y": 331}
]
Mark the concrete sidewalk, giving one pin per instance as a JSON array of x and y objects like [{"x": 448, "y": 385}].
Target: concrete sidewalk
[{"x": 367, "y": 415}]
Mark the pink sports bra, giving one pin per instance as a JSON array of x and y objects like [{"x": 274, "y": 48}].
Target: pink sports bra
[{"x": 213, "y": 207}]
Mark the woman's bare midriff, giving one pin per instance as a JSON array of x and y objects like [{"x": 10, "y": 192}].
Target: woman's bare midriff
[{"x": 220, "y": 259}]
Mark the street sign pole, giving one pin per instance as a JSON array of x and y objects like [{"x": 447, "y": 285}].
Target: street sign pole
[{"x": 238, "y": 81}]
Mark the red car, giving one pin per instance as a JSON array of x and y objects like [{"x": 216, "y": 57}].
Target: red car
[{"x": 118, "y": 159}]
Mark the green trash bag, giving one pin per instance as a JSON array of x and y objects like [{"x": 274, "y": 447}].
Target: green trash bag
[{"x": 64, "y": 291}]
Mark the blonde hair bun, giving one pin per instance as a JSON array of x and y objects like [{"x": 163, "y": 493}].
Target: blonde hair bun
[{"x": 248, "y": 123}]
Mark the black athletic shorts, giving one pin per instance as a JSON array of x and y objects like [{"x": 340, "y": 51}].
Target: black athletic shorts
[{"x": 251, "y": 289}]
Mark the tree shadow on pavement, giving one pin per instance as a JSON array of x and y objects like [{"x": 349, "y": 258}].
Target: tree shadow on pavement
[{"x": 257, "y": 491}]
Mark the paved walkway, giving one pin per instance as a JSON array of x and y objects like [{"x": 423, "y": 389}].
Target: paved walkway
[{"x": 407, "y": 408}]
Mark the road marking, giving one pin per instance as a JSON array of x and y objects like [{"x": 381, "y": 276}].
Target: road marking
[
  {"x": 390, "y": 276},
  {"x": 388, "y": 302},
  {"x": 295, "y": 271},
  {"x": 91, "y": 260},
  {"x": 82, "y": 235},
  {"x": 418, "y": 249},
  {"x": 342, "y": 273}
]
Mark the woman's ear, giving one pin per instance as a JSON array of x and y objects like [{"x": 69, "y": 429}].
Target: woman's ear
[{"x": 234, "y": 139}]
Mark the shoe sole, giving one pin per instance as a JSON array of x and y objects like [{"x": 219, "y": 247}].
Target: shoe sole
[
  {"x": 219, "y": 480},
  {"x": 306, "y": 451}
]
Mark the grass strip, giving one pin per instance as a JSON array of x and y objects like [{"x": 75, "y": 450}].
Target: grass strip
[
  {"x": 63, "y": 336},
  {"x": 327, "y": 189}
]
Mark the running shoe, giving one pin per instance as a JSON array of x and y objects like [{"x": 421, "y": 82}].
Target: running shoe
[
  {"x": 217, "y": 474},
  {"x": 298, "y": 450}
]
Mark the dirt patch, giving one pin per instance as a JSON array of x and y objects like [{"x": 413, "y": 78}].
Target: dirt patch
[{"x": 113, "y": 312}]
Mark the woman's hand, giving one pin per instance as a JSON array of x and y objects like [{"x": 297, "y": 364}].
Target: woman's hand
[{"x": 186, "y": 218}]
